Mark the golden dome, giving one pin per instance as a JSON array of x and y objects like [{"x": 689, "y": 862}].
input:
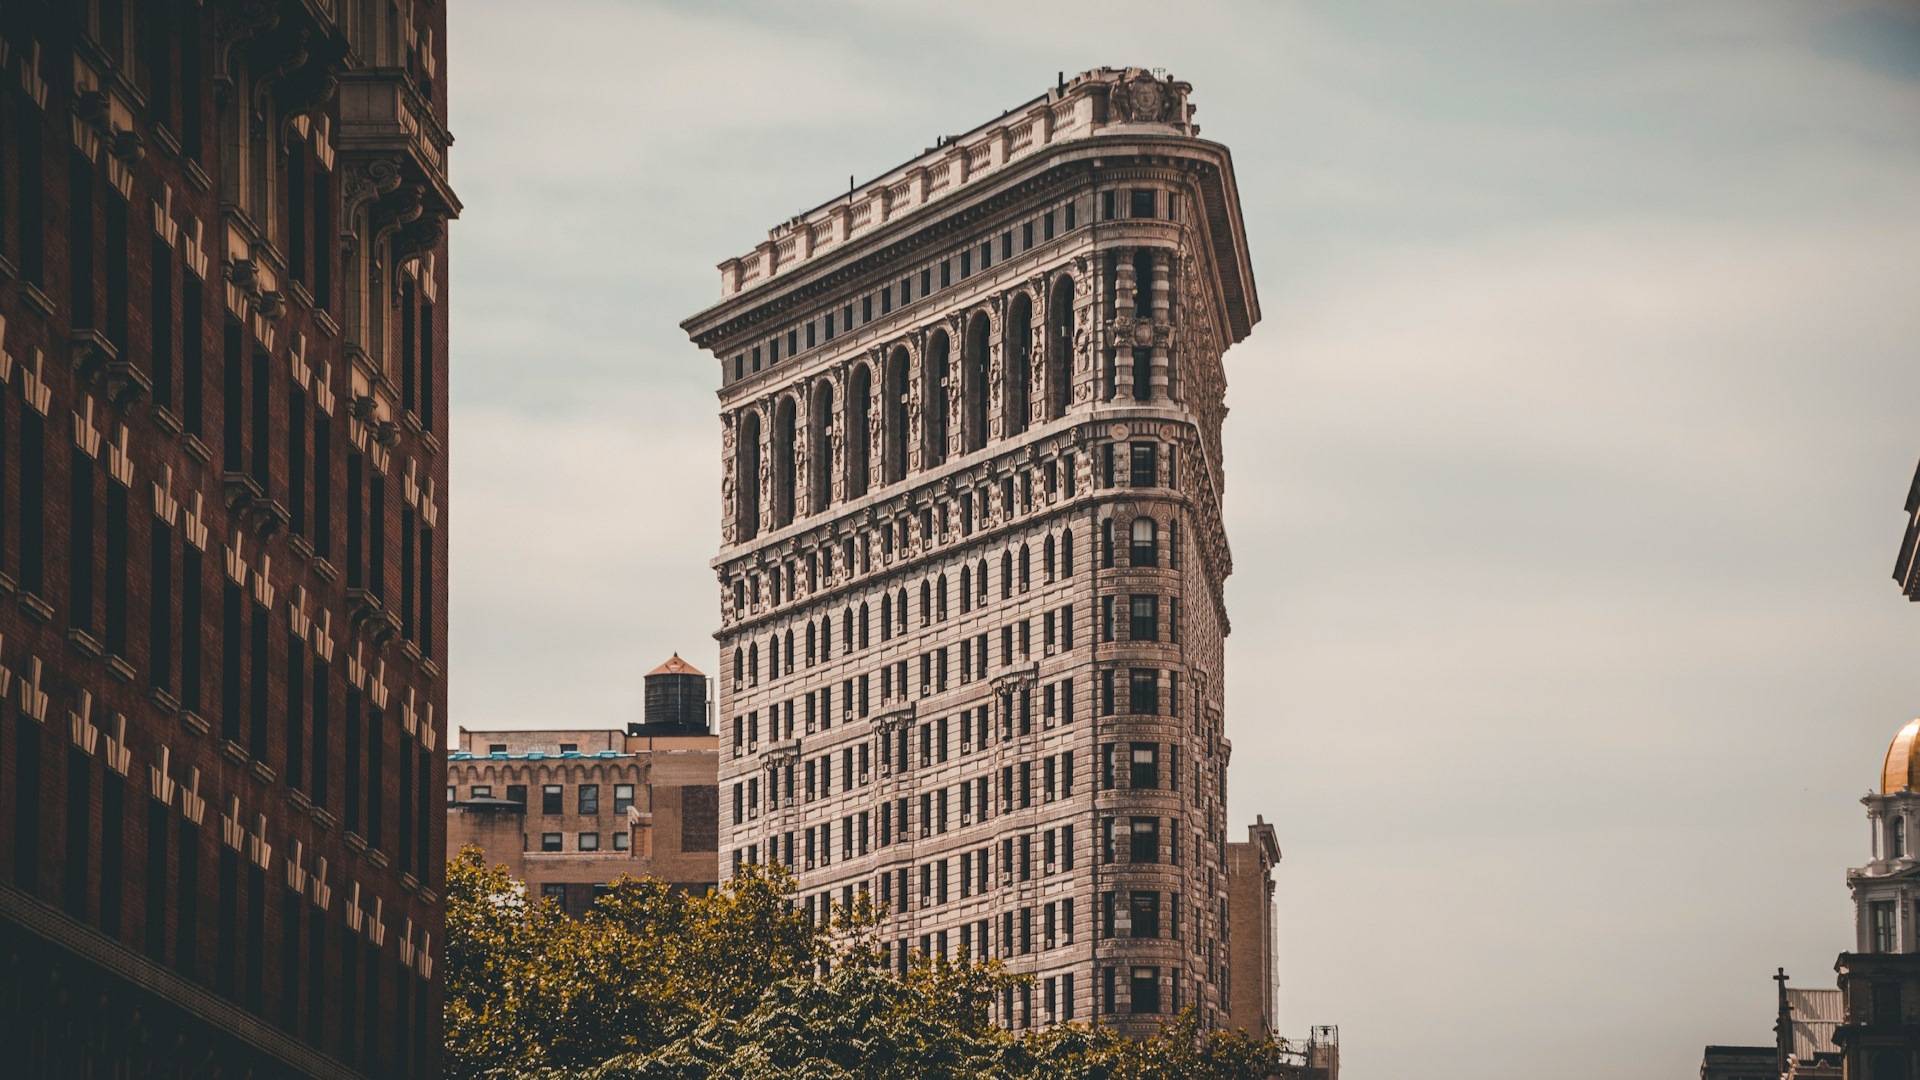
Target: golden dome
[{"x": 1902, "y": 769}]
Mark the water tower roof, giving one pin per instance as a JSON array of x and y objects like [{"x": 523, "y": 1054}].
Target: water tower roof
[{"x": 675, "y": 666}]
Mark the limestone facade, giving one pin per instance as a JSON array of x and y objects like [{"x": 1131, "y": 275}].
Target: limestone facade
[{"x": 972, "y": 564}]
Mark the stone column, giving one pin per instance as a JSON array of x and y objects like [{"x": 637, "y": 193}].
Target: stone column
[
  {"x": 1159, "y": 300},
  {"x": 768, "y": 512},
  {"x": 1122, "y": 319},
  {"x": 996, "y": 368},
  {"x": 802, "y": 448}
]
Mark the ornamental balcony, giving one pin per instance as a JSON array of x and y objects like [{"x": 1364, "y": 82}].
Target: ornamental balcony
[{"x": 383, "y": 116}]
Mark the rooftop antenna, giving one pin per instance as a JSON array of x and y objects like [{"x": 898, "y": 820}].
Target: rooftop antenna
[
  {"x": 1062, "y": 77},
  {"x": 849, "y": 189}
]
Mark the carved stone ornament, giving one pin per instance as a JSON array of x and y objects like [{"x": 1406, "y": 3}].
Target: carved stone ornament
[
  {"x": 366, "y": 179},
  {"x": 1141, "y": 100}
]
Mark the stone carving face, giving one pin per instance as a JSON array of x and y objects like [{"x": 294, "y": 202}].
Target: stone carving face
[{"x": 1145, "y": 99}]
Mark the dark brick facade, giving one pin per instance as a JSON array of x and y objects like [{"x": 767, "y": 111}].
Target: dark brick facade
[{"x": 223, "y": 583}]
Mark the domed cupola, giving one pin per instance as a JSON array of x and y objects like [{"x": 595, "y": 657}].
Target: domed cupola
[{"x": 1886, "y": 891}]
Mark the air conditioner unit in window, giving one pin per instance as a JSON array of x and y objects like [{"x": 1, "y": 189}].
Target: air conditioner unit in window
[
  {"x": 966, "y": 817},
  {"x": 1048, "y": 869},
  {"x": 926, "y": 901}
]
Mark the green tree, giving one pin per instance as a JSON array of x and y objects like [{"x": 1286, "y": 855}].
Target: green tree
[{"x": 658, "y": 984}]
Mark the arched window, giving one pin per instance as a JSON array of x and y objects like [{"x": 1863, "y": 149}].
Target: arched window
[
  {"x": 980, "y": 582},
  {"x": 787, "y": 664},
  {"x": 1006, "y": 574},
  {"x": 940, "y": 598},
  {"x": 966, "y": 589},
  {"x": 753, "y": 664},
  {"x": 865, "y": 619},
  {"x": 739, "y": 668},
  {"x": 1048, "y": 558},
  {"x": 900, "y": 610},
  {"x": 886, "y": 616},
  {"x": 974, "y": 383},
  {"x": 1144, "y": 550},
  {"x": 1060, "y": 349},
  {"x": 934, "y": 405},
  {"x": 1066, "y": 553},
  {"x": 773, "y": 657},
  {"x": 1106, "y": 544},
  {"x": 820, "y": 450},
  {"x": 926, "y": 603},
  {"x": 783, "y": 459},
  {"x": 1017, "y": 381},
  {"x": 813, "y": 644},
  {"x": 846, "y": 627},
  {"x": 858, "y": 434},
  {"x": 895, "y": 415},
  {"x": 1026, "y": 568},
  {"x": 746, "y": 476}
]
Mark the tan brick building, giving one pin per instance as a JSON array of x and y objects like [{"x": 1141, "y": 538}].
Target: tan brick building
[
  {"x": 570, "y": 811},
  {"x": 973, "y": 560},
  {"x": 1250, "y": 929}
]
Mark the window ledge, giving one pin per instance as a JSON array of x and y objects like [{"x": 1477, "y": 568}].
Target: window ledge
[
  {"x": 82, "y": 641},
  {"x": 36, "y": 299},
  {"x": 194, "y": 722},
  {"x": 198, "y": 449},
  {"x": 233, "y": 752},
  {"x": 261, "y": 772},
  {"x": 122, "y": 669},
  {"x": 33, "y": 605}
]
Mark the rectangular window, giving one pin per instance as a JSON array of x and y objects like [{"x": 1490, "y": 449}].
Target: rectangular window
[
  {"x": 1026, "y": 236},
  {"x": 550, "y": 841},
  {"x": 1145, "y": 772},
  {"x": 1144, "y": 203},
  {"x": 1144, "y": 623},
  {"x": 1886, "y": 938},
  {"x": 1142, "y": 471},
  {"x": 551, "y": 801},
  {"x": 1145, "y": 834},
  {"x": 589, "y": 841},
  {"x": 622, "y": 798},
  {"x": 1144, "y": 993},
  {"x": 1046, "y": 226},
  {"x": 589, "y": 798},
  {"x": 1143, "y": 691},
  {"x": 1070, "y": 216}
]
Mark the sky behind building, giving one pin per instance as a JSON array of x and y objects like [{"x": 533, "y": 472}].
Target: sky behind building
[{"x": 1564, "y": 473}]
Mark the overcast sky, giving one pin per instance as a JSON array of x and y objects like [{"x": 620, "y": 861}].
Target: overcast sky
[{"x": 1565, "y": 471}]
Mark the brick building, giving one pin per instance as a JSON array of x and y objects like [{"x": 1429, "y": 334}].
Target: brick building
[
  {"x": 1249, "y": 991},
  {"x": 223, "y": 360},
  {"x": 973, "y": 560},
  {"x": 569, "y": 811}
]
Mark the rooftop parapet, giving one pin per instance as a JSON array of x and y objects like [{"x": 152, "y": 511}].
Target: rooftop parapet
[{"x": 1104, "y": 101}]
